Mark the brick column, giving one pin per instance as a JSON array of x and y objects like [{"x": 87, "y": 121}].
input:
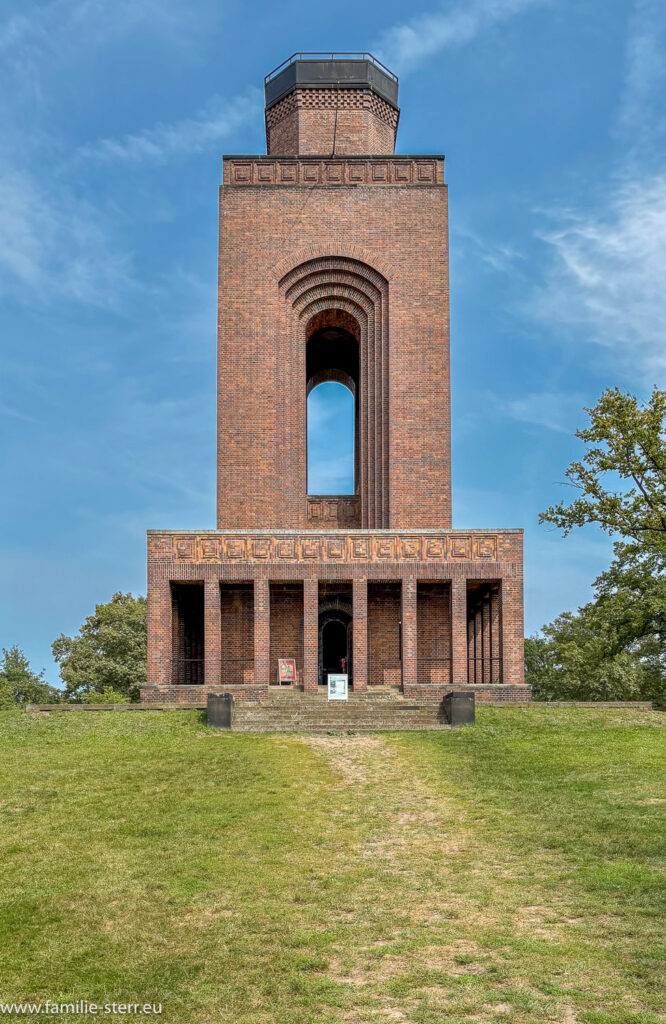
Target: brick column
[
  {"x": 159, "y": 616},
  {"x": 360, "y": 628},
  {"x": 310, "y": 635},
  {"x": 212, "y": 634},
  {"x": 513, "y": 649},
  {"x": 459, "y": 651},
  {"x": 409, "y": 634},
  {"x": 262, "y": 633}
]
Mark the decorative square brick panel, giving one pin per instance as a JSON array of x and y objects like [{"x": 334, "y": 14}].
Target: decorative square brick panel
[
  {"x": 485, "y": 547},
  {"x": 286, "y": 549},
  {"x": 288, "y": 173},
  {"x": 335, "y": 549},
  {"x": 234, "y": 548},
  {"x": 311, "y": 174},
  {"x": 310, "y": 548},
  {"x": 435, "y": 549},
  {"x": 262, "y": 548},
  {"x": 425, "y": 172},
  {"x": 461, "y": 547},
  {"x": 209, "y": 549},
  {"x": 266, "y": 174},
  {"x": 356, "y": 172},
  {"x": 242, "y": 174},
  {"x": 410, "y": 548},
  {"x": 360, "y": 548},
  {"x": 334, "y": 173},
  {"x": 384, "y": 549},
  {"x": 184, "y": 548},
  {"x": 402, "y": 172}
]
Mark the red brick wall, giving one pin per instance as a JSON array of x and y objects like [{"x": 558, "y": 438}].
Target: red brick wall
[
  {"x": 331, "y": 121},
  {"x": 237, "y": 633},
  {"x": 384, "y": 664},
  {"x": 396, "y": 235},
  {"x": 433, "y": 611},
  {"x": 286, "y": 625}
]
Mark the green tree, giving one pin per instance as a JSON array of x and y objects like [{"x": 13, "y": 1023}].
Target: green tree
[
  {"x": 108, "y": 651},
  {"x": 19, "y": 684},
  {"x": 625, "y": 441},
  {"x": 614, "y": 647}
]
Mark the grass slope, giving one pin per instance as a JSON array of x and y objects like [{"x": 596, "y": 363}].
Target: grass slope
[{"x": 513, "y": 871}]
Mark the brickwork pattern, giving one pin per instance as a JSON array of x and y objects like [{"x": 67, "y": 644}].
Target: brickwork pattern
[
  {"x": 329, "y": 120},
  {"x": 286, "y": 626},
  {"x": 397, "y": 268},
  {"x": 236, "y": 633},
  {"x": 384, "y": 627},
  {"x": 332, "y": 230},
  {"x": 433, "y": 613}
]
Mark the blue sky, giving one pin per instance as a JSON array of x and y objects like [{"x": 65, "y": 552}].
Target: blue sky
[{"x": 112, "y": 124}]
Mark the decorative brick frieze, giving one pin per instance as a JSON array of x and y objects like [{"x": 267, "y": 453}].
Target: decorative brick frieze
[
  {"x": 308, "y": 171},
  {"x": 363, "y": 547}
]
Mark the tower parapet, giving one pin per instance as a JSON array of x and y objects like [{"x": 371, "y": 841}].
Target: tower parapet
[{"x": 330, "y": 104}]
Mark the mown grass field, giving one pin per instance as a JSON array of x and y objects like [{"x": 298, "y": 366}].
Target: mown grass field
[{"x": 513, "y": 871}]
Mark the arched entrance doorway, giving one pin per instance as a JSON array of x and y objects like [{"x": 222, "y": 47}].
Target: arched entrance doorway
[{"x": 335, "y": 643}]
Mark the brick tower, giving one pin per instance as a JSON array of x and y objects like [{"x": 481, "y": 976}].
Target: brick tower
[{"x": 333, "y": 266}]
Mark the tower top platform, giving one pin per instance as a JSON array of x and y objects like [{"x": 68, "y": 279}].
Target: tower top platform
[{"x": 329, "y": 70}]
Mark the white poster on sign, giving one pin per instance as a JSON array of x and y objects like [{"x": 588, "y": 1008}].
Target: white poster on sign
[{"x": 338, "y": 686}]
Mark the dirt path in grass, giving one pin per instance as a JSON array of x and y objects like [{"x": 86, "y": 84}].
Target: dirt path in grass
[{"x": 455, "y": 894}]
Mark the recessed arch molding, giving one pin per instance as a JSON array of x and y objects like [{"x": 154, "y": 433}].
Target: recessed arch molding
[{"x": 334, "y": 290}]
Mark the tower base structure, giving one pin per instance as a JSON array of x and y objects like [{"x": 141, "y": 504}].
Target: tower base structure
[{"x": 423, "y": 612}]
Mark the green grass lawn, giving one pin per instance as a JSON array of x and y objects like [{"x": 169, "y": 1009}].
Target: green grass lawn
[{"x": 511, "y": 871}]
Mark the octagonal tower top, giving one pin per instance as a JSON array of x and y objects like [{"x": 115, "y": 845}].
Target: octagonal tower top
[{"x": 329, "y": 104}]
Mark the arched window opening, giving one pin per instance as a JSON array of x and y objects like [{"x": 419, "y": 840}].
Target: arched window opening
[
  {"x": 330, "y": 439},
  {"x": 332, "y": 378}
]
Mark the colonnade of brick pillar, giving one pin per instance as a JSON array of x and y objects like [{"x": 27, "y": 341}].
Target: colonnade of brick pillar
[
  {"x": 513, "y": 647},
  {"x": 360, "y": 632},
  {"x": 458, "y": 632},
  {"x": 262, "y": 633},
  {"x": 212, "y": 633},
  {"x": 409, "y": 633},
  {"x": 310, "y": 635},
  {"x": 160, "y": 619}
]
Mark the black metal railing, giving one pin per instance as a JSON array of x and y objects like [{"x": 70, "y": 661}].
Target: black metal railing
[
  {"x": 187, "y": 671},
  {"x": 335, "y": 55}
]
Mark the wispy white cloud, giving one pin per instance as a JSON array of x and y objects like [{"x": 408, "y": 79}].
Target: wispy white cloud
[
  {"x": 641, "y": 123},
  {"x": 499, "y": 256},
  {"x": 405, "y": 45},
  {"x": 48, "y": 25},
  {"x": 53, "y": 245},
  {"x": 605, "y": 281},
  {"x": 217, "y": 119},
  {"x": 561, "y": 411},
  {"x": 15, "y": 414}
]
